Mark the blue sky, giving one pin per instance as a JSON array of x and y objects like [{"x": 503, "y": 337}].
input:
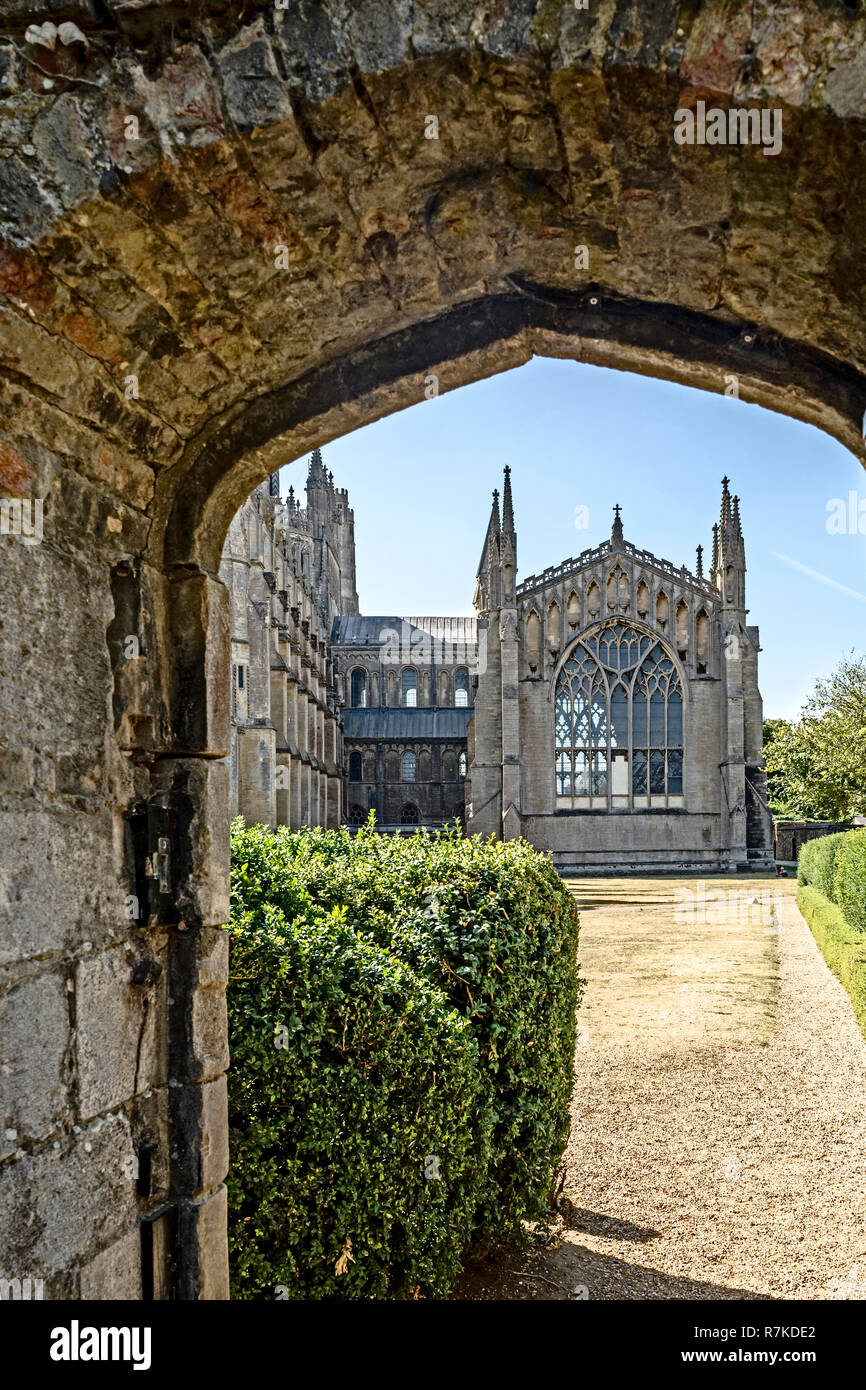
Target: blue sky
[{"x": 420, "y": 483}]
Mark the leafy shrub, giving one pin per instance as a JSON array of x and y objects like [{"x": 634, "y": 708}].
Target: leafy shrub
[
  {"x": 488, "y": 927},
  {"x": 849, "y": 884},
  {"x": 352, "y": 1084},
  {"x": 842, "y": 946},
  {"x": 816, "y": 864},
  {"x": 836, "y": 866}
]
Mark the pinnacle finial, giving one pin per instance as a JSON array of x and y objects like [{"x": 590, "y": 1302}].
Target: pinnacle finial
[
  {"x": 616, "y": 529},
  {"x": 699, "y": 568},
  {"x": 507, "y": 504},
  {"x": 725, "y": 515}
]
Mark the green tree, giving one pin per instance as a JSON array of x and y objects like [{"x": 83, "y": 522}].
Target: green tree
[{"x": 816, "y": 765}]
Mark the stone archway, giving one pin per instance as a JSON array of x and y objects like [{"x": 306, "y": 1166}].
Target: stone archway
[{"x": 229, "y": 236}]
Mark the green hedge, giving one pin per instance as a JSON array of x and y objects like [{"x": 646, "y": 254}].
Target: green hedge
[
  {"x": 835, "y": 865},
  {"x": 486, "y": 929},
  {"x": 849, "y": 888},
  {"x": 349, "y": 1075},
  {"x": 816, "y": 864},
  {"x": 842, "y": 946}
]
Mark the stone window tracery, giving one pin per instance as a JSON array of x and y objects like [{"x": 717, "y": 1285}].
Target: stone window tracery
[{"x": 618, "y": 720}]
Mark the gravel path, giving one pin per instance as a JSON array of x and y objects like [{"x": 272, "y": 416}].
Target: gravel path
[{"x": 723, "y": 1153}]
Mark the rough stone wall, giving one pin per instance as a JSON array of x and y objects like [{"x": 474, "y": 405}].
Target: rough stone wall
[
  {"x": 225, "y": 238},
  {"x": 790, "y": 835}
]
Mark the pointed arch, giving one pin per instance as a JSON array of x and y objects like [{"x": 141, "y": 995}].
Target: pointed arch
[
  {"x": 702, "y": 642},
  {"x": 618, "y": 696},
  {"x": 533, "y": 640},
  {"x": 663, "y": 610},
  {"x": 572, "y": 610},
  {"x": 682, "y": 626},
  {"x": 554, "y": 626}
]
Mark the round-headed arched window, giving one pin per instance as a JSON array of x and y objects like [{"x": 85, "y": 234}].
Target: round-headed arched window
[
  {"x": 618, "y": 723},
  {"x": 461, "y": 687},
  {"x": 409, "y": 687},
  {"x": 354, "y": 767},
  {"x": 409, "y": 766},
  {"x": 359, "y": 688}
]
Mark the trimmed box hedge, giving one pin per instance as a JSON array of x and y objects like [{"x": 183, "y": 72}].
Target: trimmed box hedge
[
  {"x": 849, "y": 887},
  {"x": 835, "y": 865},
  {"x": 842, "y": 946},
  {"x": 482, "y": 938},
  {"x": 816, "y": 864}
]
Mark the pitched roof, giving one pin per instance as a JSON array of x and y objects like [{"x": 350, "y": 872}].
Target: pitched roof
[
  {"x": 406, "y": 723},
  {"x": 374, "y": 631}
]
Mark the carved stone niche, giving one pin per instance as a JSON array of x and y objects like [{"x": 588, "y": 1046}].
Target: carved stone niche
[{"x": 643, "y": 599}]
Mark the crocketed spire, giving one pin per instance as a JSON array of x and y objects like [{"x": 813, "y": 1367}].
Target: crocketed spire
[
  {"x": 491, "y": 540},
  {"x": 507, "y": 505},
  {"x": 725, "y": 515}
]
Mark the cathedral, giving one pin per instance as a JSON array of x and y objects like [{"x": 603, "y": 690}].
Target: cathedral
[
  {"x": 607, "y": 710},
  {"x": 618, "y": 720}
]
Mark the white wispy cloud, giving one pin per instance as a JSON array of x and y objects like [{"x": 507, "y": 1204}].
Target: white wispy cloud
[{"x": 822, "y": 578}]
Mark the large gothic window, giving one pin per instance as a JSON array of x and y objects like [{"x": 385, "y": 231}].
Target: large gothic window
[{"x": 619, "y": 723}]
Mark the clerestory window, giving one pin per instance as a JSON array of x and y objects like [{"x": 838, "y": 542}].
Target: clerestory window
[
  {"x": 618, "y": 723},
  {"x": 359, "y": 688},
  {"x": 409, "y": 687}
]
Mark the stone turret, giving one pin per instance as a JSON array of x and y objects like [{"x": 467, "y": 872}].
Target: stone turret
[
  {"x": 493, "y": 806},
  {"x": 729, "y": 556},
  {"x": 741, "y": 762}
]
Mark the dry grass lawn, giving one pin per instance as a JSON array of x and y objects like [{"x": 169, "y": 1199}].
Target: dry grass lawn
[{"x": 673, "y": 963}]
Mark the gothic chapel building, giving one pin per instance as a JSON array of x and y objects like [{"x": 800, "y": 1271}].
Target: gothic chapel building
[
  {"x": 618, "y": 721},
  {"x": 608, "y": 709}
]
